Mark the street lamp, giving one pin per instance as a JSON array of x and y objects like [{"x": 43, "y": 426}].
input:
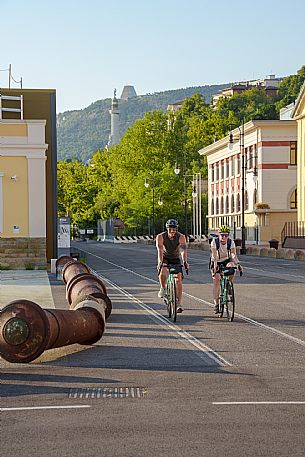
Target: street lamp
[
  {"x": 244, "y": 162},
  {"x": 177, "y": 171},
  {"x": 146, "y": 184}
]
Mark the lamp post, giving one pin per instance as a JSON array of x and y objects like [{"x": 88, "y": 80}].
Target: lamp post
[
  {"x": 160, "y": 203},
  {"x": 177, "y": 171},
  {"x": 244, "y": 162}
]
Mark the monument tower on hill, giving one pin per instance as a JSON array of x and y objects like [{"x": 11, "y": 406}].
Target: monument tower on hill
[
  {"x": 127, "y": 92},
  {"x": 114, "y": 136}
]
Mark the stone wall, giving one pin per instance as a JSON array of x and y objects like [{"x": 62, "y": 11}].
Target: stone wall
[{"x": 22, "y": 253}]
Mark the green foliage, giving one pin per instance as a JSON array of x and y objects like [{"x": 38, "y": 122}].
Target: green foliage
[
  {"x": 290, "y": 88},
  {"x": 81, "y": 132},
  {"x": 111, "y": 185}
]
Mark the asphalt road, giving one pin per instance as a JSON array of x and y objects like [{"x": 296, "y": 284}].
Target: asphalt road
[{"x": 149, "y": 387}]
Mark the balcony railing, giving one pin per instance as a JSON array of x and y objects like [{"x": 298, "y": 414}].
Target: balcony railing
[{"x": 295, "y": 229}]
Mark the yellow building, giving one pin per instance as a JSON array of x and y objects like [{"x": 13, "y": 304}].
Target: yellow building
[
  {"x": 22, "y": 188},
  {"x": 37, "y": 105},
  {"x": 270, "y": 176},
  {"x": 299, "y": 115}
]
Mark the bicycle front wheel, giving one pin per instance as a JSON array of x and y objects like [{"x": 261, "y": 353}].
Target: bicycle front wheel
[
  {"x": 168, "y": 299},
  {"x": 230, "y": 302},
  {"x": 174, "y": 300}
]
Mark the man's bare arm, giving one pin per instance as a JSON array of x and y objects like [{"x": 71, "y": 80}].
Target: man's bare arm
[
  {"x": 183, "y": 248},
  {"x": 160, "y": 248}
]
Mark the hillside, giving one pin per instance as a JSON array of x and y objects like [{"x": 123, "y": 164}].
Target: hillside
[{"x": 81, "y": 132}]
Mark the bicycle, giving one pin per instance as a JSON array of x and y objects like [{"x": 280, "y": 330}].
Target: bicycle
[
  {"x": 170, "y": 297},
  {"x": 226, "y": 296}
]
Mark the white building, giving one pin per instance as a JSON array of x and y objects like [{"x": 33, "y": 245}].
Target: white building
[{"x": 270, "y": 179}]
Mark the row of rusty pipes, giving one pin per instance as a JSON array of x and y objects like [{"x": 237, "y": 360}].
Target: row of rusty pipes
[{"x": 27, "y": 330}]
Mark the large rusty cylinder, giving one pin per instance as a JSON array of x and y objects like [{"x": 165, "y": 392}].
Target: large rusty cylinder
[
  {"x": 82, "y": 285},
  {"x": 27, "y": 330},
  {"x": 61, "y": 261},
  {"x": 72, "y": 269},
  {"x": 60, "y": 264},
  {"x": 102, "y": 299}
]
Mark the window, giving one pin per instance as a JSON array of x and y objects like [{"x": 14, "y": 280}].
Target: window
[
  {"x": 254, "y": 197},
  {"x": 293, "y": 200},
  {"x": 293, "y": 153},
  {"x": 227, "y": 168},
  {"x": 222, "y": 169},
  {"x": 238, "y": 204},
  {"x": 217, "y": 206},
  {"x": 212, "y": 173},
  {"x": 212, "y": 206},
  {"x": 216, "y": 171},
  {"x": 227, "y": 205},
  {"x": 238, "y": 164},
  {"x": 246, "y": 201},
  {"x": 221, "y": 205},
  {"x": 232, "y": 204}
]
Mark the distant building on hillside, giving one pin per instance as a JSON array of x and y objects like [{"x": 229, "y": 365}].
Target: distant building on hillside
[
  {"x": 270, "y": 84},
  {"x": 175, "y": 106},
  {"x": 128, "y": 92}
]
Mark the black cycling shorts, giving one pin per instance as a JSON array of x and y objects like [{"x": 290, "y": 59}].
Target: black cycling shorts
[{"x": 174, "y": 262}]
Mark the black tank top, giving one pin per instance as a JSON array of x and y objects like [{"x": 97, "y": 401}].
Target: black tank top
[{"x": 171, "y": 247}]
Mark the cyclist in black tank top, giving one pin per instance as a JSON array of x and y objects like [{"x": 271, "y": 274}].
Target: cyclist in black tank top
[{"x": 171, "y": 247}]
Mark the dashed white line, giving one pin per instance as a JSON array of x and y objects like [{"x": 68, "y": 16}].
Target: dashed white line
[
  {"x": 28, "y": 408},
  {"x": 258, "y": 403},
  {"x": 247, "y": 319},
  {"x": 206, "y": 350}
]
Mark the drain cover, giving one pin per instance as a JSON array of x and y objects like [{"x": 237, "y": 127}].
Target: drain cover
[{"x": 108, "y": 392}]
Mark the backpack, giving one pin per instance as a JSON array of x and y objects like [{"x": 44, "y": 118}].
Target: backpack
[{"x": 217, "y": 247}]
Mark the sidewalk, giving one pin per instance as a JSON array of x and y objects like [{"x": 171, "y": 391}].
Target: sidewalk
[{"x": 33, "y": 285}]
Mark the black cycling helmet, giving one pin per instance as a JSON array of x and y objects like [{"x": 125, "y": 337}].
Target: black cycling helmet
[{"x": 171, "y": 223}]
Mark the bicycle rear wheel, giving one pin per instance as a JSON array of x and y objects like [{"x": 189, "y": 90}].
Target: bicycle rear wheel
[
  {"x": 230, "y": 302},
  {"x": 174, "y": 300}
]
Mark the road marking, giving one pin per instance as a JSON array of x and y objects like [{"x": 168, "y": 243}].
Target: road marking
[
  {"x": 241, "y": 316},
  {"x": 26, "y": 408},
  {"x": 258, "y": 403},
  {"x": 175, "y": 328}
]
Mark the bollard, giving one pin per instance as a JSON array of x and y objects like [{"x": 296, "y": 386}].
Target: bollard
[
  {"x": 27, "y": 330},
  {"x": 72, "y": 269}
]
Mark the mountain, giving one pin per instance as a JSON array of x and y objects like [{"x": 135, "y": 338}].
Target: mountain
[{"x": 81, "y": 132}]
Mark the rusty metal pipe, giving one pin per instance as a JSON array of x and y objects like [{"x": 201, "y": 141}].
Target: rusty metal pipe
[
  {"x": 84, "y": 284},
  {"x": 72, "y": 269},
  {"x": 27, "y": 330}
]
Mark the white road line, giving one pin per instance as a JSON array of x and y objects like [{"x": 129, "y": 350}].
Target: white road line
[
  {"x": 28, "y": 408},
  {"x": 258, "y": 403},
  {"x": 247, "y": 319},
  {"x": 175, "y": 328}
]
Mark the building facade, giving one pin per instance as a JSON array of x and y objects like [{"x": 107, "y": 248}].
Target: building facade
[
  {"x": 299, "y": 116},
  {"x": 22, "y": 191},
  {"x": 269, "y": 179}
]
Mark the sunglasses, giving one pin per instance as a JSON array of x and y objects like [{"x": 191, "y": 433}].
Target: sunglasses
[{"x": 224, "y": 234}]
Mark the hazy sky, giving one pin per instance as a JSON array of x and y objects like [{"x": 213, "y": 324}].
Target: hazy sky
[{"x": 85, "y": 49}]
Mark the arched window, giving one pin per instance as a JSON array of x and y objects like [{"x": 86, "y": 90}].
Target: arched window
[
  {"x": 227, "y": 205},
  {"x": 246, "y": 201},
  {"x": 232, "y": 204},
  {"x": 254, "y": 197},
  {"x": 212, "y": 206},
  {"x": 238, "y": 204},
  {"x": 221, "y": 205},
  {"x": 293, "y": 200},
  {"x": 217, "y": 206}
]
